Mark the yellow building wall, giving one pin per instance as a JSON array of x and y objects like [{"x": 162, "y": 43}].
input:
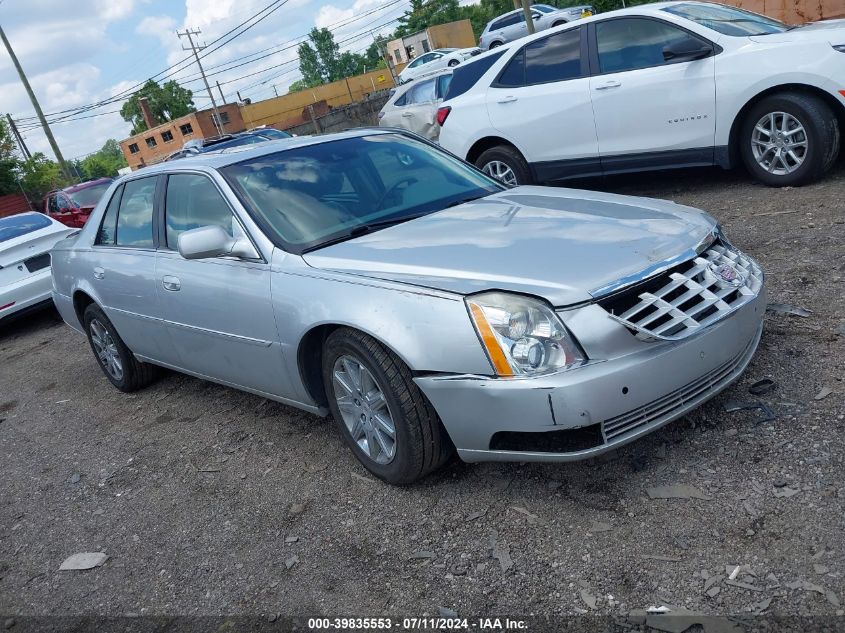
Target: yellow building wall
[
  {"x": 286, "y": 110},
  {"x": 452, "y": 35}
]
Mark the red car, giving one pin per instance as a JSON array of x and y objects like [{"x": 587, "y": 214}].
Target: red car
[{"x": 72, "y": 205}]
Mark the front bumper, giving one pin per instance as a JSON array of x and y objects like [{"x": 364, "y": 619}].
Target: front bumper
[{"x": 610, "y": 402}]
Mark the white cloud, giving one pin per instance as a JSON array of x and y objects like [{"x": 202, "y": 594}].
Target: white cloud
[{"x": 162, "y": 27}]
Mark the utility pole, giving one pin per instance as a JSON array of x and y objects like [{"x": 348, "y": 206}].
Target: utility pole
[
  {"x": 195, "y": 50},
  {"x": 47, "y": 132},
  {"x": 18, "y": 137},
  {"x": 222, "y": 98},
  {"x": 529, "y": 21},
  {"x": 274, "y": 90}
]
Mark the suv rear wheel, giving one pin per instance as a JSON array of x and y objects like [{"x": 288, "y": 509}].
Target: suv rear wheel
[
  {"x": 506, "y": 164},
  {"x": 789, "y": 139}
]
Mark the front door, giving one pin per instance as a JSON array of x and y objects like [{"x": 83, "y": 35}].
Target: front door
[
  {"x": 645, "y": 103},
  {"x": 541, "y": 102},
  {"x": 218, "y": 310}
]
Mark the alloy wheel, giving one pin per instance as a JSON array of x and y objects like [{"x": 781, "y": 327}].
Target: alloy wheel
[
  {"x": 364, "y": 409},
  {"x": 106, "y": 349},
  {"x": 500, "y": 171},
  {"x": 779, "y": 143}
]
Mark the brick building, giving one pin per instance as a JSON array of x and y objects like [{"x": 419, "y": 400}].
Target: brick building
[{"x": 159, "y": 141}]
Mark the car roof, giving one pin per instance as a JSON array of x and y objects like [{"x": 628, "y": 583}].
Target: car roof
[
  {"x": 217, "y": 159},
  {"x": 88, "y": 183}
]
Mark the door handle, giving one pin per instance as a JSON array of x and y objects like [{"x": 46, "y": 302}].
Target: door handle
[
  {"x": 508, "y": 99},
  {"x": 171, "y": 283},
  {"x": 609, "y": 85},
  {"x": 99, "y": 273},
  {"x": 407, "y": 115}
]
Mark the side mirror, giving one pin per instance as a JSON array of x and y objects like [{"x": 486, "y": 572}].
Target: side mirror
[
  {"x": 535, "y": 16},
  {"x": 686, "y": 50},
  {"x": 213, "y": 241}
]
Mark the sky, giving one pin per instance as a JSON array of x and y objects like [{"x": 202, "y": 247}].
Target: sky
[{"x": 80, "y": 52}]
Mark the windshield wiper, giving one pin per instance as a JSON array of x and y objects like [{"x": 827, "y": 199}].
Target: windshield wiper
[
  {"x": 461, "y": 201},
  {"x": 364, "y": 229}
]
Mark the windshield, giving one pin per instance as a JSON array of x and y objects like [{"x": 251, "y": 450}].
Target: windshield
[
  {"x": 272, "y": 133},
  {"x": 728, "y": 20},
  {"x": 89, "y": 196},
  {"x": 17, "y": 225},
  {"x": 309, "y": 196}
]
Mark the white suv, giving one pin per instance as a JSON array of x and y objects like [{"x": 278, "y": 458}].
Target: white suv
[
  {"x": 511, "y": 26},
  {"x": 674, "y": 84}
]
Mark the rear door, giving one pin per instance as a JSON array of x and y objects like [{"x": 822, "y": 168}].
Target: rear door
[
  {"x": 647, "y": 104},
  {"x": 541, "y": 102},
  {"x": 218, "y": 310},
  {"x": 122, "y": 268},
  {"x": 419, "y": 111}
]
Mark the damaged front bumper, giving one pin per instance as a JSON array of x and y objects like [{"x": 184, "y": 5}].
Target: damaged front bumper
[{"x": 597, "y": 407}]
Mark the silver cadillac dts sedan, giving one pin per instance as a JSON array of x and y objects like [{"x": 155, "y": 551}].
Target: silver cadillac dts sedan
[{"x": 373, "y": 276}]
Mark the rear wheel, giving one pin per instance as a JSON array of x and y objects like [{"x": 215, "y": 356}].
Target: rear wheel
[
  {"x": 453, "y": 63},
  {"x": 495, "y": 44},
  {"x": 789, "y": 139},
  {"x": 385, "y": 419},
  {"x": 118, "y": 363},
  {"x": 559, "y": 23},
  {"x": 506, "y": 164}
]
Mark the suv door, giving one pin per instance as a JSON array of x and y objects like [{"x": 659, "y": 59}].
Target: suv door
[
  {"x": 122, "y": 270},
  {"x": 648, "y": 101},
  {"x": 218, "y": 311},
  {"x": 541, "y": 102}
]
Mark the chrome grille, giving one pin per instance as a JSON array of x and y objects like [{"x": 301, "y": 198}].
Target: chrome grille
[
  {"x": 667, "y": 405},
  {"x": 691, "y": 296}
]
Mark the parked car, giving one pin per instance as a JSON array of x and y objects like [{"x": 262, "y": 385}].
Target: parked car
[
  {"x": 72, "y": 205},
  {"x": 374, "y": 276},
  {"x": 435, "y": 60},
  {"x": 664, "y": 85},
  {"x": 213, "y": 143},
  {"x": 25, "y": 243},
  {"x": 414, "y": 106},
  {"x": 511, "y": 26}
]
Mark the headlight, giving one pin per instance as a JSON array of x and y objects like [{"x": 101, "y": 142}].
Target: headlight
[{"x": 522, "y": 336}]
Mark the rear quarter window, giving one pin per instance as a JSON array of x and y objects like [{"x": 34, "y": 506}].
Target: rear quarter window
[
  {"x": 466, "y": 75},
  {"x": 17, "y": 225}
]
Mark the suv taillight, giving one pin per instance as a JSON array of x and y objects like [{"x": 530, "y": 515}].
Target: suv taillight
[{"x": 442, "y": 113}]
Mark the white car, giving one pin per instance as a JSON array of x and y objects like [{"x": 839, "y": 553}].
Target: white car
[
  {"x": 25, "y": 243},
  {"x": 511, "y": 26},
  {"x": 435, "y": 60},
  {"x": 664, "y": 85},
  {"x": 414, "y": 106}
]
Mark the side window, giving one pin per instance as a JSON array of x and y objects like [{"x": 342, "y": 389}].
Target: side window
[
  {"x": 443, "y": 82},
  {"x": 63, "y": 203},
  {"x": 631, "y": 43},
  {"x": 510, "y": 20},
  {"x": 135, "y": 216},
  {"x": 514, "y": 73},
  {"x": 554, "y": 58},
  {"x": 401, "y": 101},
  {"x": 108, "y": 228},
  {"x": 52, "y": 204},
  {"x": 466, "y": 75},
  {"x": 422, "y": 93},
  {"x": 193, "y": 201}
]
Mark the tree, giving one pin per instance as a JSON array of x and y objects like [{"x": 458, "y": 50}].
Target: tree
[
  {"x": 425, "y": 13},
  {"x": 39, "y": 175},
  {"x": 167, "y": 102},
  {"x": 297, "y": 85},
  {"x": 9, "y": 162},
  {"x": 103, "y": 163},
  {"x": 321, "y": 62}
]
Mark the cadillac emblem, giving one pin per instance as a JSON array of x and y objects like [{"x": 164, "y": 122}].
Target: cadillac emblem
[{"x": 727, "y": 274}]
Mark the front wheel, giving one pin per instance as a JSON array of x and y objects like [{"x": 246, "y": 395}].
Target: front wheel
[
  {"x": 453, "y": 63},
  {"x": 118, "y": 363},
  {"x": 385, "y": 419},
  {"x": 495, "y": 44},
  {"x": 506, "y": 164},
  {"x": 789, "y": 139}
]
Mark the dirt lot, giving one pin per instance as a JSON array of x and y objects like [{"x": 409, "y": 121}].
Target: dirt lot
[{"x": 211, "y": 501}]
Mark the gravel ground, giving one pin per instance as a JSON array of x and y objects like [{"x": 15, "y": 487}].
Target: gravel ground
[{"x": 211, "y": 501}]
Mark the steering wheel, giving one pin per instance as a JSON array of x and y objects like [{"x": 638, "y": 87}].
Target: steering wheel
[{"x": 407, "y": 180}]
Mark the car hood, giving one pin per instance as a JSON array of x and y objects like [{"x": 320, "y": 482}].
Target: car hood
[
  {"x": 564, "y": 245},
  {"x": 832, "y": 31}
]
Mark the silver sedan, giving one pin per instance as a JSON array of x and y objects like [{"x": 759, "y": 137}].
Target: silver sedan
[{"x": 371, "y": 276}]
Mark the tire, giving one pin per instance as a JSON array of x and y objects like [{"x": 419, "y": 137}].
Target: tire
[
  {"x": 559, "y": 23},
  {"x": 508, "y": 157},
  {"x": 133, "y": 373},
  {"x": 821, "y": 138},
  {"x": 453, "y": 63},
  {"x": 420, "y": 444},
  {"x": 494, "y": 45}
]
